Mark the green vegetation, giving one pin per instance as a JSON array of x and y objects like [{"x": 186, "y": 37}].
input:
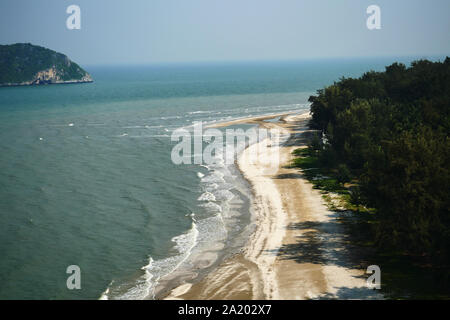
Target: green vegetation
[
  {"x": 383, "y": 145},
  {"x": 21, "y": 62}
]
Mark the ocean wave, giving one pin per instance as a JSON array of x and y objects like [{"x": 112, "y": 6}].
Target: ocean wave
[
  {"x": 199, "y": 112},
  {"x": 207, "y": 196},
  {"x": 211, "y": 230},
  {"x": 145, "y": 286},
  {"x": 200, "y": 175},
  {"x": 214, "y": 177},
  {"x": 210, "y": 186},
  {"x": 211, "y": 207},
  {"x": 223, "y": 195}
]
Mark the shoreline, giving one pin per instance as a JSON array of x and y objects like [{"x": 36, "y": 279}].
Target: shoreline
[
  {"x": 181, "y": 280},
  {"x": 250, "y": 120},
  {"x": 31, "y": 84},
  {"x": 297, "y": 250}
]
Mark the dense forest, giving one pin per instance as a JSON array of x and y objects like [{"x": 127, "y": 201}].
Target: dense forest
[
  {"x": 387, "y": 135},
  {"x": 22, "y": 61}
]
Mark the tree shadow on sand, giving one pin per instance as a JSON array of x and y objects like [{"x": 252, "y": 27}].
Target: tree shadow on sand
[
  {"x": 328, "y": 244},
  {"x": 289, "y": 176},
  {"x": 358, "y": 293},
  {"x": 325, "y": 243}
]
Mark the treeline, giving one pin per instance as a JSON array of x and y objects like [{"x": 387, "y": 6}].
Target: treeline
[{"x": 387, "y": 133}]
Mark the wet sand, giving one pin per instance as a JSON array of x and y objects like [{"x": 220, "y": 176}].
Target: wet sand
[{"x": 298, "y": 249}]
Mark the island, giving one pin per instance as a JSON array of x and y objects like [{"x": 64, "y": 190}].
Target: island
[{"x": 24, "y": 64}]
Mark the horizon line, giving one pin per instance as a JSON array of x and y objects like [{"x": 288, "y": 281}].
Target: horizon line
[{"x": 437, "y": 57}]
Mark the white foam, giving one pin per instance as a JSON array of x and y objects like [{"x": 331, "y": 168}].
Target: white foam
[
  {"x": 104, "y": 295},
  {"x": 207, "y": 196},
  {"x": 199, "y": 112},
  {"x": 214, "y": 177},
  {"x": 155, "y": 269},
  {"x": 211, "y": 207},
  {"x": 210, "y": 187},
  {"x": 211, "y": 230},
  {"x": 223, "y": 195}
]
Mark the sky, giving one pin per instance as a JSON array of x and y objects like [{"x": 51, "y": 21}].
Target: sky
[{"x": 167, "y": 31}]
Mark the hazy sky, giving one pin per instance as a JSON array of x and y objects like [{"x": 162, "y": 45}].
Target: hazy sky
[{"x": 150, "y": 31}]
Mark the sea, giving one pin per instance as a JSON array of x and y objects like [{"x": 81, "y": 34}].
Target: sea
[{"x": 87, "y": 180}]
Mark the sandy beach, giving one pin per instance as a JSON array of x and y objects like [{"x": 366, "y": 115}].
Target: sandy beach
[{"x": 298, "y": 249}]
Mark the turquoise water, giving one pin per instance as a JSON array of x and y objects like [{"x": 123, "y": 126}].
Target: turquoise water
[{"x": 86, "y": 176}]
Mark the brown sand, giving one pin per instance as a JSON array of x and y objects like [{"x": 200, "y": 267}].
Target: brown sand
[{"x": 298, "y": 250}]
